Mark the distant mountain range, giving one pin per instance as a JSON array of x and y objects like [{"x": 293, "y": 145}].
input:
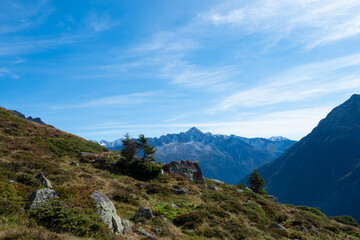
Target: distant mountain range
[
  {"x": 322, "y": 169},
  {"x": 227, "y": 158},
  {"x": 19, "y": 114}
]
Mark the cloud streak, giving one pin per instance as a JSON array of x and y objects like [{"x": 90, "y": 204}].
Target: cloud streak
[
  {"x": 17, "y": 15},
  {"x": 99, "y": 22},
  {"x": 312, "y": 22},
  {"x": 297, "y": 84},
  {"x": 128, "y": 99}
]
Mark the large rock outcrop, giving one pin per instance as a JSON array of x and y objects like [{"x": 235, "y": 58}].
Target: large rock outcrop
[
  {"x": 190, "y": 170},
  {"x": 107, "y": 212},
  {"x": 41, "y": 196}
]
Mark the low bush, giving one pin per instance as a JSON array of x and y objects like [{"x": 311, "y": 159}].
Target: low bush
[
  {"x": 237, "y": 230},
  {"x": 190, "y": 220},
  {"x": 157, "y": 188},
  {"x": 346, "y": 219},
  {"x": 10, "y": 201},
  {"x": 255, "y": 213},
  {"x": 145, "y": 170},
  {"x": 312, "y": 210},
  {"x": 29, "y": 180},
  {"x": 66, "y": 216},
  {"x": 170, "y": 212},
  {"x": 124, "y": 196}
]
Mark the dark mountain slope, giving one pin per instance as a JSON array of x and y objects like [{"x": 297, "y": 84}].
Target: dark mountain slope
[
  {"x": 227, "y": 158},
  {"x": 321, "y": 170}
]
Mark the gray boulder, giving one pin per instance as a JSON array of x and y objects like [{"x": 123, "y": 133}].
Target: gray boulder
[
  {"x": 278, "y": 226},
  {"x": 43, "y": 180},
  {"x": 85, "y": 154},
  {"x": 272, "y": 198},
  {"x": 213, "y": 187},
  {"x": 187, "y": 169},
  {"x": 173, "y": 205},
  {"x": 41, "y": 196},
  {"x": 73, "y": 163},
  {"x": 143, "y": 213},
  {"x": 240, "y": 191},
  {"x": 313, "y": 229},
  {"x": 107, "y": 212},
  {"x": 127, "y": 226},
  {"x": 146, "y": 233},
  {"x": 217, "y": 181},
  {"x": 180, "y": 191}
]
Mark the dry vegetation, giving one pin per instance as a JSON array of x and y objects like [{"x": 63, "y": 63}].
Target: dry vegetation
[{"x": 27, "y": 148}]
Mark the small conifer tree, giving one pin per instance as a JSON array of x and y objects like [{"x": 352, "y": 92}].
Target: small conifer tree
[
  {"x": 129, "y": 149},
  {"x": 256, "y": 182},
  {"x": 147, "y": 150}
]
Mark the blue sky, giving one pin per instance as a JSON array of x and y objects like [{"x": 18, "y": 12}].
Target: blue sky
[{"x": 100, "y": 69}]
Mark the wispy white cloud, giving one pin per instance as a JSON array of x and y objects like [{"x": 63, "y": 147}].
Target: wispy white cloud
[
  {"x": 313, "y": 22},
  {"x": 22, "y": 47},
  {"x": 100, "y": 21},
  {"x": 4, "y": 72},
  {"x": 19, "y": 15},
  {"x": 193, "y": 77},
  {"x": 166, "y": 42},
  {"x": 167, "y": 59},
  {"x": 128, "y": 99},
  {"x": 300, "y": 83},
  {"x": 175, "y": 118}
]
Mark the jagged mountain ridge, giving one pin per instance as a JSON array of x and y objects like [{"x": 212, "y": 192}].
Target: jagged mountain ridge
[
  {"x": 227, "y": 158},
  {"x": 19, "y": 114},
  {"x": 322, "y": 169}
]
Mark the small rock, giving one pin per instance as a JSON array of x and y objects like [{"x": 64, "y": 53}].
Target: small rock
[
  {"x": 43, "y": 180},
  {"x": 107, "y": 212},
  {"x": 303, "y": 228},
  {"x": 173, "y": 205},
  {"x": 146, "y": 233},
  {"x": 180, "y": 191},
  {"x": 143, "y": 213},
  {"x": 73, "y": 163},
  {"x": 240, "y": 191},
  {"x": 278, "y": 226},
  {"x": 41, "y": 196},
  {"x": 127, "y": 226},
  {"x": 156, "y": 229},
  {"x": 272, "y": 198},
  {"x": 83, "y": 154},
  {"x": 140, "y": 185},
  {"x": 314, "y": 230},
  {"x": 212, "y": 186},
  {"x": 217, "y": 181},
  {"x": 12, "y": 181}
]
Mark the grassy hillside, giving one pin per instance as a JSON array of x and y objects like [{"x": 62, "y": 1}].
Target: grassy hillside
[{"x": 232, "y": 212}]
